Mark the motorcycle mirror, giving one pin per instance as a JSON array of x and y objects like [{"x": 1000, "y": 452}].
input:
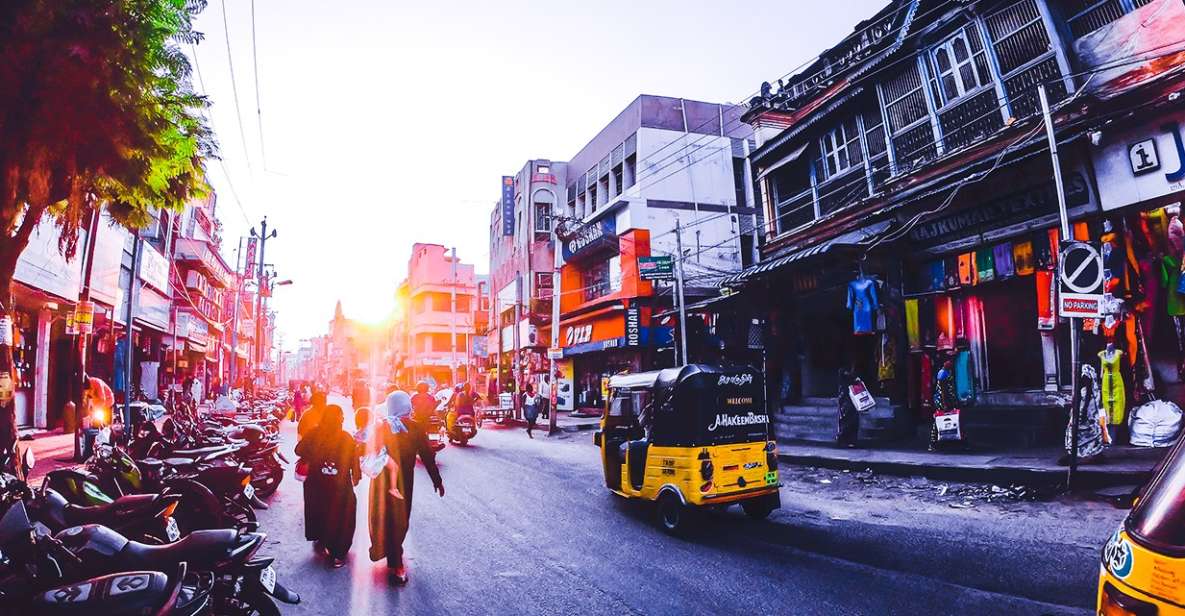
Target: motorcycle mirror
[{"x": 28, "y": 459}]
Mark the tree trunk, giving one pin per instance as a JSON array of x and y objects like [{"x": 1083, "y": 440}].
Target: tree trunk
[{"x": 8, "y": 434}]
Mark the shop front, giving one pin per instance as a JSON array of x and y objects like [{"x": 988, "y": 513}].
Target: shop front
[
  {"x": 1141, "y": 175},
  {"x": 597, "y": 345},
  {"x": 979, "y": 290}
]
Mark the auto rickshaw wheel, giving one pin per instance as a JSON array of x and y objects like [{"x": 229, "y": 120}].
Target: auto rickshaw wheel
[
  {"x": 673, "y": 515},
  {"x": 757, "y": 509}
]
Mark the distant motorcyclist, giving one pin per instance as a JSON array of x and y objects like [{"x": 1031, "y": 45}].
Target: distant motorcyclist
[
  {"x": 423, "y": 404},
  {"x": 461, "y": 404}
]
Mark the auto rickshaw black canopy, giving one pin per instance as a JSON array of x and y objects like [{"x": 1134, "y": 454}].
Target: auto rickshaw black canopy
[{"x": 701, "y": 404}]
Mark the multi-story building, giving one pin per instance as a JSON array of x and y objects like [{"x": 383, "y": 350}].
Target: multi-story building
[
  {"x": 522, "y": 262},
  {"x": 439, "y": 292},
  {"x": 913, "y": 155},
  {"x": 665, "y": 172}
]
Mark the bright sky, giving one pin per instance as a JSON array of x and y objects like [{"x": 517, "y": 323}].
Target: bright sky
[{"x": 387, "y": 123}]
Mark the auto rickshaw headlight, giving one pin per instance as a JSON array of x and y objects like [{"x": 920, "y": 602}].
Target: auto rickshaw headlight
[{"x": 1116, "y": 603}]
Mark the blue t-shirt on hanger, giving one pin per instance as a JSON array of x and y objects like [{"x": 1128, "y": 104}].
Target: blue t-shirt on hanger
[{"x": 863, "y": 304}]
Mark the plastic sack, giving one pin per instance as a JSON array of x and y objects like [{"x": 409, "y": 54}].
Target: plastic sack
[
  {"x": 1155, "y": 424},
  {"x": 861, "y": 398},
  {"x": 948, "y": 425}
]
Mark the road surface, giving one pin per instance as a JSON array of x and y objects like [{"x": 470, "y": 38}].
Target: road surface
[{"x": 527, "y": 528}]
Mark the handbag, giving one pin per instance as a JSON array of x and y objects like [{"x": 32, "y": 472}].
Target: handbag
[
  {"x": 861, "y": 398},
  {"x": 302, "y": 469}
]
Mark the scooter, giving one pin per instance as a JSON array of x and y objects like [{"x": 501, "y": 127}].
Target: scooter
[{"x": 464, "y": 429}]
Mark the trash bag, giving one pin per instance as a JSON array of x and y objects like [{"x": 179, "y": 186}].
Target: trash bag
[{"x": 1155, "y": 424}]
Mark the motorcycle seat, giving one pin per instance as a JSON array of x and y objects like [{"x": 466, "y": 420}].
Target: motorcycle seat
[
  {"x": 200, "y": 548},
  {"x": 130, "y": 592},
  {"x": 198, "y": 452},
  {"x": 77, "y": 515}
]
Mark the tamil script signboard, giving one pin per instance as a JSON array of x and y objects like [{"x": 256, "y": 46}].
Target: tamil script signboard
[
  {"x": 656, "y": 268},
  {"x": 507, "y": 205}
]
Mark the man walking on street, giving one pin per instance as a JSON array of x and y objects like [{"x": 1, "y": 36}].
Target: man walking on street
[{"x": 545, "y": 396}]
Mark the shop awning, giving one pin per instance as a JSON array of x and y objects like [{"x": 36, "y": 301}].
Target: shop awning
[
  {"x": 852, "y": 239},
  {"x": 785, "y": 160}
]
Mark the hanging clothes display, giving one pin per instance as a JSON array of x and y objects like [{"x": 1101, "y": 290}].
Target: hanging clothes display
[
  {"x": 1053, "y": 236},
  {"x": 1114, "y": 396},
  {"x": 926, "y": 380},
  {"x": 863, "y": 303},
  {"x": 1003, "y": 257},
  {"x": 886, "y": 365},
  {"x": 1176, "y": 235},
  {"x": 937, "y": 277},
  {"x": 1170, "y": 278},
  {"x": 1081, "y": 231},
  {"x": 950, "y": 267},
  {"x": 1042, "y": 256}
]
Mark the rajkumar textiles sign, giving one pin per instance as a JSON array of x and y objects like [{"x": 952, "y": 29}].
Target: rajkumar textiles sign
[{"x": 1009, "y": 209}]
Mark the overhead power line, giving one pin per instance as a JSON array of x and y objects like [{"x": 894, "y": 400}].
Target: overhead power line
[{"x": 234, "y": 88}]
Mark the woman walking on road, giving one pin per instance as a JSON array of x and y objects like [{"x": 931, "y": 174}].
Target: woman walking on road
[
  {"x": 530, "y": 409},
  {"x": 311, "y": 418},
  {"x": 391, "y": 490},
  {"x": 329, "y": 499}
]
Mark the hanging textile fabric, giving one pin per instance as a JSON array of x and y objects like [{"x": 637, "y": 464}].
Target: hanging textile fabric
[
  {"x": 944, "y": 320},
  {"x": 1046, "y": 319},
  {"x": 1170, "y": 278},
  {"x": 937, "y": 276},
  {"x": 1176, "y": 233},
  {"x": 926, "y": 379},
  {"x": 1053, "y": 237},
  {"x": 1081, "y": 232},
  {"x": 886, "y": 367},
  {"x": 912, "y": 333},
  {"x": 863, "y": 303},
  {"x": 967, "y": 269},
  {"x": 1022, "y": 257},
  {"x": 985, "y": 265},
  {"x": 964, "y": 382},
  {"x": 1003, "y": 256},
  {"x": 1042, "y": 257},
  {"x": 950, "y": 266}
]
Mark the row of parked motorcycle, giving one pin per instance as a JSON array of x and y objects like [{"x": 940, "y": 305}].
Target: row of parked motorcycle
[{"x": 160, "y": 520}]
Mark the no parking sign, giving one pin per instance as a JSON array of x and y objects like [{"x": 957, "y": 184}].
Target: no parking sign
[{"x": 1080, "y": 273}]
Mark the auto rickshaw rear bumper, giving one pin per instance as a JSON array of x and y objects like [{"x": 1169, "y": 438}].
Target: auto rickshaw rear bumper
[{"x": 770, "y": 492}]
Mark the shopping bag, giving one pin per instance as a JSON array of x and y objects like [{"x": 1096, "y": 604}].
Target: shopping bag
[
  {"x": 949, "y": 428},
  {"x": 861, "y": 398},
  {"x": 302, "y": 469}
]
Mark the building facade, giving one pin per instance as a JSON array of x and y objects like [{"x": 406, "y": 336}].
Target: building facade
[
  {"x": 912, "y": 213},
  {"x": 438, "y": 329}
]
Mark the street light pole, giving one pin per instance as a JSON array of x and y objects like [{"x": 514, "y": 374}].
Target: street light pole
[
  {"x": 556, "y": 278},
  {"x": 679, "y": 291},
  {"x": 452, "y": 362},
  {"x": 259, "y": 316}
]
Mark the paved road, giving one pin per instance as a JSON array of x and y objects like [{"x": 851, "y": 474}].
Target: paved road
[{"x": 527, "y": 528}]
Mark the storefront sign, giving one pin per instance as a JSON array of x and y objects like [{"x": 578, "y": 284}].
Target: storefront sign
[
  {"x": 590, "y": 237},
  {"x": 656, "y": 268},
  {"x": 1142, "y": 164},
  {"x": 578, "y": 334},
  {"x": 84, "y": 317},
  {"x": 1011, "y": 208},
  {"x": 555, "y": 353},
  {"x": 71, "y": 327},
  {"x": 1080, "y": 272},
  {"x": 6, "y": 330},
  {"x": 633, "y": 326},
  {"x": 154, "y": 268},
  {"x": 507, "y": 205},
  {"x": 249, "y": 262}
]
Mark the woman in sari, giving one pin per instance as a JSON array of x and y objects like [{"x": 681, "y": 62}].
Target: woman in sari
[
  {"x": 330, "y": 502},
  {"x": 391, "y": 491}
]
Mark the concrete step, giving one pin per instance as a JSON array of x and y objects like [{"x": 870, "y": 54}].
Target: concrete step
[{"x": 807, "y": 428}]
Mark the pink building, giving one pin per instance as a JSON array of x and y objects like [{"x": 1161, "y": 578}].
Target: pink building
[{"x": 431, "y": 318}]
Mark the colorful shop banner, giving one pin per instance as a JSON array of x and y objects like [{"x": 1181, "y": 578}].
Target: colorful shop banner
[
  {"x": 507, "y": 205},
  {"x": 598, "y": 234},
  {"x": 656, "y": 268},
  {"x": 154, "y": 268}
]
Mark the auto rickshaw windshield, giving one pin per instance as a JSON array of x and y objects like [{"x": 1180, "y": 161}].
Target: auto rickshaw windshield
[{"x": 1158, "y": 518}]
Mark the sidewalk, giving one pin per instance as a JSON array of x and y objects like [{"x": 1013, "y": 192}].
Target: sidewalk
[
  {"x": 51, "y": 450},
  {"x": 1121, "y": 465},
  {"x": 564, "y": 422}
]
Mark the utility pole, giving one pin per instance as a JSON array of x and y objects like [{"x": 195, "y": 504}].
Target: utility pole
[
  {"x": 259, "y": 316},
  {"x": 83, "y": 342},
  {"x": 557, "y": 260},
  {"x": 452, "y": 362},
  {"x": 679, "y": 293},
  {"x": 514, "y": 360},
  {"x": 1075, "y": 343},
  {"x": 133, "y": 284},
  {"x": 234, "y": 323}
]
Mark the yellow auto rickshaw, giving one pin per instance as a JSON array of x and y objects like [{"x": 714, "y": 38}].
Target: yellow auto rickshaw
[
  {"x": 690, "y": 437},
  {"x": 1143, "y": 563}
]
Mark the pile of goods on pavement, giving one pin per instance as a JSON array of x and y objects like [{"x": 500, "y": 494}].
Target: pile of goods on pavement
[{"x": 160, "y": 520}]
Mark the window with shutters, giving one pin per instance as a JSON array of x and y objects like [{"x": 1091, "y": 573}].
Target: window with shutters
[
  {"x": 960, "y": 67},
  {"x": 841, "y": 149},
  {"x": 1025, "y": 55},
  {"x": 1085, "y": 16},
  {"x": 908, "y": 119}
]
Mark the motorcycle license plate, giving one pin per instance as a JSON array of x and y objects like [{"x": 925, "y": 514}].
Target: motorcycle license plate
[
  {"x": 267, "y": 577},
  {"x": 171, "y": 529},
  {"x": 249, "y": 491}
]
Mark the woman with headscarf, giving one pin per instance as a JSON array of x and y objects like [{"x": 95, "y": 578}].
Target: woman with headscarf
[
  {"x": 329, "y": 500},
  {"x": 403, "y": 438},
  {"x": 848, "y": 427},
  {"x": 312, "y": 416},
  {"x": 1091, "y": 420}
]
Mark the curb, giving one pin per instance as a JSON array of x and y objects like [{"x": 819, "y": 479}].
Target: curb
[
  {"x": 1088, "y": 476},
  {"x": 521, "y": 423}
]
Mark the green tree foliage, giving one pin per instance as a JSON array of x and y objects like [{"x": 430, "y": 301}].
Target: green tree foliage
[{"x": 98, "y": 111}]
